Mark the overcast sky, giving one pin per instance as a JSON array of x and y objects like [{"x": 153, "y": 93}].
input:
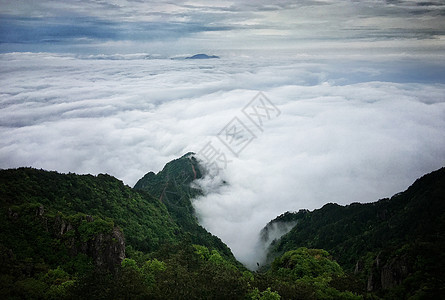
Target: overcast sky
[
  {"x": 356, "y": 92},
  {"x": 184, "y": 26}
]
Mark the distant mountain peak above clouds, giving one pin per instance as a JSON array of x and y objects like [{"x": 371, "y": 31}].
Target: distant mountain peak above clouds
[{"x": 202, "y": 56}]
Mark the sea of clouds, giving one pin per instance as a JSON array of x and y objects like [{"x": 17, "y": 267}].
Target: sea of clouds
[{"x": 350, "y": 129}]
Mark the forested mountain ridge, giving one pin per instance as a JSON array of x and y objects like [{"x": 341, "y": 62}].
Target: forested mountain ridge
[
  {"x": 59, "y": 230},
  {"x": 68, "y": 236},
  {"x": 172, "y": 186},
  {"x": 391, "y": 244},
  {"x": 143, "y": 218}
]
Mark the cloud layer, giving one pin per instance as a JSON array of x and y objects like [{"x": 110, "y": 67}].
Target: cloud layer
[
  {"x": 359, "y": 84},
  {"x": 349, "y": 130}
]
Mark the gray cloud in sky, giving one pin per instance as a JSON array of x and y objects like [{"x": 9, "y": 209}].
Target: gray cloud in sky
[{"x": 51, "y": 26}]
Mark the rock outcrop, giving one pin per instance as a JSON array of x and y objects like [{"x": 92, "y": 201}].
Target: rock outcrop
[
  {"x": 107, "y": 250},
  {"x": 388, "y": 274},
  {"x": 105, "y": 247},
  {"x": 82, "y": 234}
]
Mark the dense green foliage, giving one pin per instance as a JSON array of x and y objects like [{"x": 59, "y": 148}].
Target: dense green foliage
[
  {"x": 39, "y": 261},
  {"x": 54, "y": 221},
  {"x": 144, "y": 220},
  {"x": 62, "y": 237},
  {"x": 400, "y": 235},
  {"x": 187, "y": 271},
  {"x": 313, "y": 269},
  {"x": 305, "y": 262},
  {"x": 172, "y": 186}
]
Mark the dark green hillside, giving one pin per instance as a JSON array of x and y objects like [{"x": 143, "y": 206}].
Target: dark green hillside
[
  {"x": 393, "y": 243},
  {"x": 143, "y": 219},
  {"x": 57, "y": 228},
  {"x": 280, "y": 226},
  {"x": 65, "y": 236},
  {"x": 68, "y": 236},
  {"x": 172, "y": 186}
]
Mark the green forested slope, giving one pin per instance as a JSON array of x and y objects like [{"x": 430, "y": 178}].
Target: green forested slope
[
  {"x": 172, "y": 186},
  {"x": 393, "y": 244},
  {"x": 144, "y": 220},
  {"x": 65, "y": 236},
  {"x": 68, "y": 236}
]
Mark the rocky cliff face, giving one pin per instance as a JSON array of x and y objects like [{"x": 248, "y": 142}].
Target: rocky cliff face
[
  {"x": 107, "y": 250},
  {"x": 83, "y": 234},
  {"x": 106, "y": 247},
  {"x": 389, "y": 273},
  {"x": 394, "y": 272}
]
